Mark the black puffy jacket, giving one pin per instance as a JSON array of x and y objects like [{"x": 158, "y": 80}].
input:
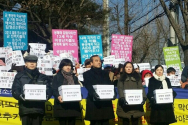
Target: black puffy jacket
[{"x": 30, "y": 107}]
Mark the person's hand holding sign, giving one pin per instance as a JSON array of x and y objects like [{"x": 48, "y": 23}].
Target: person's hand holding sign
[
  {"x": 60, "y": 99},
  {"x": 2, "y": 63}
]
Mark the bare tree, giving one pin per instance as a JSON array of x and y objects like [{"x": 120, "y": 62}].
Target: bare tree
[
  {"x": 45, "y": 15},
  {"x": 149, "y": 45},
  {"x": 182, "y": 36}
]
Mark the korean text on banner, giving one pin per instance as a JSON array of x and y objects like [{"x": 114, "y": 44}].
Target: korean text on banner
[
  {"x": 121, "y": 46},
  {"x": 37, "y": 49},
  {"x": 4, "y": 50},
  {"x": 45, "y": 66},
  {"x": 90, "y": 45},
  {"x": 144, "y": 66},
  {"x": 14, "y": 57},
  {"x": 15, "y": 30},
  {"x": 6, "y": 79},
  {"x": 172, "y": 57},
  {"x": 65, "y": 41}
]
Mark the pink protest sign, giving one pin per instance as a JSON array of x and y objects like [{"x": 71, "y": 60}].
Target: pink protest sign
[
  {"x": 121, "y": 46},
  {"x": 65, "y": 41}
]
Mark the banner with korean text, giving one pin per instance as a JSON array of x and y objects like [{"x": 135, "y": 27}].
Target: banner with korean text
[
  {"x": 121, "y": 46},
  {"x": 15, "y": 30},
  {"x": 65, "y": 41},
  {"x": 172, "y": 57},
  {"x": 9, "y": 110},
  {"x": 90, "y": 45}
]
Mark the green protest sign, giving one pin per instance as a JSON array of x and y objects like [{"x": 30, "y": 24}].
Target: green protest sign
[{"x": 172, "y": 57}]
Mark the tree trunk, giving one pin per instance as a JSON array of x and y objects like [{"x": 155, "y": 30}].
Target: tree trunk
[
  {"x": 185, "y": 51},
  {"x": 186, "y": 57},
  {"x": 126, "y": 18}
]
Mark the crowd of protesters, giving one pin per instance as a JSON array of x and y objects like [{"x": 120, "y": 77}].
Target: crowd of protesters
[{"x": 98, "y": 112}]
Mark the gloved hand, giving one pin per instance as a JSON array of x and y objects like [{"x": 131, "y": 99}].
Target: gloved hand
[
  {"x": 96, "y": 97},
  {"x": 22, "y": 97},
  {"x": 153, "y": 101},
  {"x": 123, "y": 102},
  {"x": 47, "y": 50},
  {"x": 28, "y": 49},
  {"x": 17, "y": 68},
  {"x": 144, "y": 100},
  {"x": 53, "y": 71}
]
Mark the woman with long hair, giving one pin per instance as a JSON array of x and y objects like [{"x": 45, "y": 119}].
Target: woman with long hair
[{"x": 130, "y": 79}]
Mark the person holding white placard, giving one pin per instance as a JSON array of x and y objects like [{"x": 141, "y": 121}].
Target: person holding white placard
[
  {"x": 2, "y": 61},
  {"x": 161, "y": 114},
  {"x": 98, "y": 111},
  {"x": 66, "y": 112},
  {"x": 31, "y": 111},
  {"x": 130, "y": 80}
]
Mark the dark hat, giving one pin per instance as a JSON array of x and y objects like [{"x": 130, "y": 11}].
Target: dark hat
[
  {"x": 31, "y": 58},
  {"x": 87, "y": 62}
]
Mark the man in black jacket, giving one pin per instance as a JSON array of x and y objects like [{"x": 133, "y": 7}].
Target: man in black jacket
[
  {"x": 97, "y": 111},
  {"x": 31, "y": 112}
]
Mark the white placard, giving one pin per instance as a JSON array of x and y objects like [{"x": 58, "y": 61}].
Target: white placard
[
  {"x": 37, "y": 49},
  {"x": 51, "y": 53},
  {"x": 18, "y": 58},
  {"x": 175, "y": 80},
  {"x": 104, "y": 91},
  {"x": 6, "y": 79},
  {"x": 8, "y": 57},
  {"x": 55, "y": 62},
  {"x": 116, "y": 62},
  {"x": 45, "y": 66},
  {"x": 163, "y": 96},
  {"x": 67, "y": 56},
  {"x": 178, "y": 71},
  {"x": 4, "y": 50},
  {"x": 109, "y": 59},
  {"x": 144, "y": 66},
  {"x": 4, "y": 69},
  {"x": 47, "y": 57},
  {"x": 80, "y": 72},
  {"x": 14, "y": 57},
  {"x": 70, "y": 92},
  {"x": 34, "y": 92},
  {"x": 133, "y": 97},
  {"x": 165, "y": 70}
]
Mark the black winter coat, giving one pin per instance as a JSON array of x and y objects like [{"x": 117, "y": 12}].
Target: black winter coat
[
  {"x": 65, "y": 109},
  {"x": 97, "y": 110},
  {"x": 30, "y": 107},
  {"x": 160, "y": 113}
]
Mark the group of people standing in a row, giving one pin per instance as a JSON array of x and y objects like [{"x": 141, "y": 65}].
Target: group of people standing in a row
[{"x": 98, "y": 112}]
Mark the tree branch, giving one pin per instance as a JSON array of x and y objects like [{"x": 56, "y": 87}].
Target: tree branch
[
  {"x": 183, "y": 11},
  {"x": 173, "y": 23}
]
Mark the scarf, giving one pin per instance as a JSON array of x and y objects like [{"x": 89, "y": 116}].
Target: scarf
[
  {"x": 33, "y": 72},
  {"x": 162, "y": 79},
  {"x": 33, "y": 75},
  {"x": 96, "y": 70},
  {"x": 68, "y": 78}
]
